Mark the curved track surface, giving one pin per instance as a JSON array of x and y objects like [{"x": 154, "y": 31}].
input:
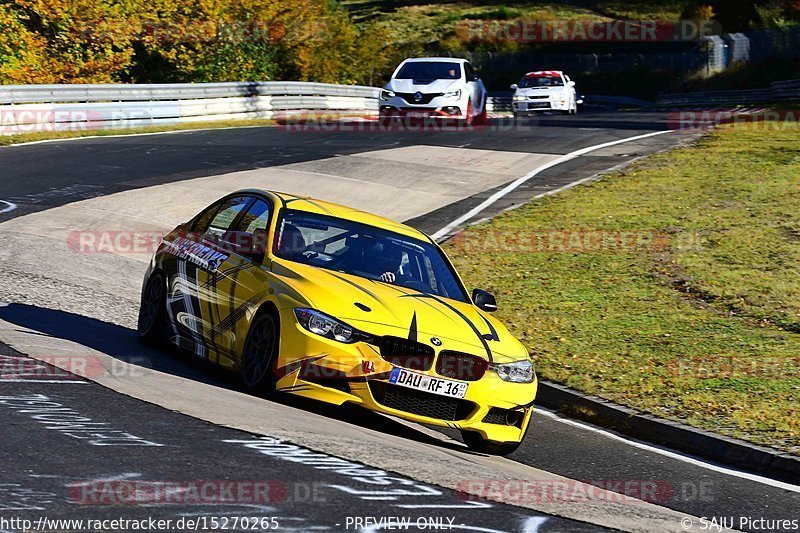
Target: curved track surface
[{"x": 82, "y": 305}]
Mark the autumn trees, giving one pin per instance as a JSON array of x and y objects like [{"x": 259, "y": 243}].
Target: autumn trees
[{"x": 101, "y": 41}]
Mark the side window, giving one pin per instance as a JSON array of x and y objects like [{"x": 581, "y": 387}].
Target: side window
[
  {"x": 256, "y": 217},
  {"x": 248, "y": 237},
  {"x": 204, "y": 219},
  {"x": 225, "y": 216},
  {"x": 469, "y": 72}
]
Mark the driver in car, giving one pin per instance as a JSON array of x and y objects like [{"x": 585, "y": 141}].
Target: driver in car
[{"x": 384, "y": 260}]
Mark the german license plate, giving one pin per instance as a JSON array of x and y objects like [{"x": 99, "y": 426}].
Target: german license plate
[{"x": 421, "y": 382}]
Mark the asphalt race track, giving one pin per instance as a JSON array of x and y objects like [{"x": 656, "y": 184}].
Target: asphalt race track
[{"x": 168, "y": 424}]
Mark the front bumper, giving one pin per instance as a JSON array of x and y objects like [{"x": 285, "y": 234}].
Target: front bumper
[
  {"x": 544, "y": 104},
  {"x": 439, "y": 107},
  {"x": 315, "y": 367}
]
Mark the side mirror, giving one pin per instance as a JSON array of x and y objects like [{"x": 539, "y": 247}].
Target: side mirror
[
  {"x": 514, "y": 86},
  {"x": 571, "y": 83},
  {"x": 484, "y": 300},
  {"x": 386, "y": 78}
]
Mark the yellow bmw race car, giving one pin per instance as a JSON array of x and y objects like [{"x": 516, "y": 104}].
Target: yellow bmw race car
[{"x": 327, "y": 302}]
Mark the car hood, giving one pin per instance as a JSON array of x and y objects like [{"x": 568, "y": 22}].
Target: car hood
[
  {"x": 435, "y": 86},
  {"x": 383, "y": 309}
]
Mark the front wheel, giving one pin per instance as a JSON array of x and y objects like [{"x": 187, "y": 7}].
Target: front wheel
[
  {"x": 259, "y": 350},
  {"x": 151, "y": 327},
  {"x": 468, "y": 119},
  {"x": 476, "y": 443}
]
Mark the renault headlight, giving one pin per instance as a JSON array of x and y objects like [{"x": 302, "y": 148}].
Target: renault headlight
[
  {"x": 453, "y": 94},
  {"x": 386, "y": 95},
  {"x": 519, "y": 98},
  {"x": 517, "y": 372},
  {"x": 326, "y": 326}
]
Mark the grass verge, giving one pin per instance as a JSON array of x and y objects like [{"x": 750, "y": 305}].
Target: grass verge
[
  {"x": 423, "y": 22},
  {"x": 671, "y": 286}
]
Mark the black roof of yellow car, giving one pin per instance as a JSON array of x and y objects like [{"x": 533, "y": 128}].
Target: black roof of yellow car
[{"x": 322, "y": 207}]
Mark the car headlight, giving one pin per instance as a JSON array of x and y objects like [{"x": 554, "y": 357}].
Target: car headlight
[
  {"x": 517, "y": 372},
  {"x": 326, "y": 326},
  {"x": 385, "y": 95},
  {"x": 453, "y": 94},
  {"x": 519, "y": 97}
]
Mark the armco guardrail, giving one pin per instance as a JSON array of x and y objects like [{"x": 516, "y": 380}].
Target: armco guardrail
[
  {"x": 26, "y": 108},
  {"x": 782, "y": 91},
  {"x": 498, "y": 103}
]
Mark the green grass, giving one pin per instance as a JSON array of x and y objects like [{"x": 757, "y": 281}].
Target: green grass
[
  {"x": 425, "y": 23},
  {"x": 702, "y": 323},
  {"x": 6, "y": 140},
  {"x": 666, "y": 10}
]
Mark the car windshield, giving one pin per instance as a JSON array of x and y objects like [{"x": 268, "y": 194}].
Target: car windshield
[
  {"x": 541, "y": 81},
  {"x": 368, "y": 252},
  {"x": 433, "y": 70}
]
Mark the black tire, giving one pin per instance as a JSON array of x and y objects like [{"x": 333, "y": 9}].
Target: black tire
[
  {"x": 152, "y": 324},
  {"x": 468, "y": 120},
  {"x": 259, "y": 352},
  {"x": 482, "y": 119},
  {"x": 476, "y": 443}
]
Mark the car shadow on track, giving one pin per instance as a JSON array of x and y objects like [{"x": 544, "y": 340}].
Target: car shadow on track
[{"x": 122, "y": 344}]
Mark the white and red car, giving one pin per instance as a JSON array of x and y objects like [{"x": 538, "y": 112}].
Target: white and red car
[
  {"x": 545, "y": 90},
  {"x": 440, "y": 87}
]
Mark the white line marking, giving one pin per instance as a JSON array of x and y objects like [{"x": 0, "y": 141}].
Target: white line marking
[
  {"x": 519, "y": 181},
  {"x": 466, "y": 505},
  {"x": 532, "y": 524},
  {"x": 40, "y": 381},
  {"x": 9, "y": 206},
  {"x": 672, "y": 454}
]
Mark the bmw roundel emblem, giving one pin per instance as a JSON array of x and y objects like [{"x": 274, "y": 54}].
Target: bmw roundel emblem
[
  {"x": 436, "y": 341},
  {"x": 417, "y": 96}
]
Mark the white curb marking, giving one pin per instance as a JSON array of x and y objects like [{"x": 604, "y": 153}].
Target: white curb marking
[{"x": 9, "y": 206}]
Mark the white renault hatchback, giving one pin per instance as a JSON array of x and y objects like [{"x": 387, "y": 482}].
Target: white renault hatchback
[
  {"x": 544, "y": 90},
  {"x": 440, "y": 87}
]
